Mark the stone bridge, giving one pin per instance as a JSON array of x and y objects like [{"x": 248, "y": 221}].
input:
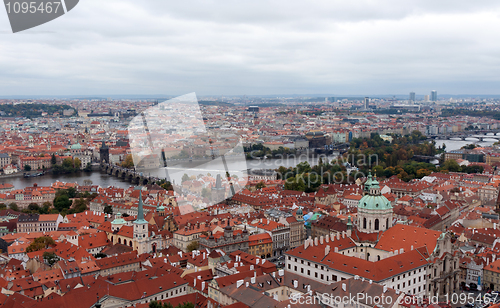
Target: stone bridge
[
  {"x": 481, "y": 135},
  {"x": 128, "y": 174}
]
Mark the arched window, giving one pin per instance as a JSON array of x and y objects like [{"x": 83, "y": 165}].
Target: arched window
[
  {"x": 370, "y": 224},
  {"x": 364, "y": 223},
  {"x": 130, "y": 243},
  {"x": 387, "y": 223},
  {"x": 119, "y": 240},
  {"x": 376, "y": 224}
]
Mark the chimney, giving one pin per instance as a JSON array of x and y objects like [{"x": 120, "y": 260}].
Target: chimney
[
  {"x": 295, "y": 284},
  {"x": 257, "y": 261},
  {"x": 315, "y": 241},
  {"x": 344, "y": 287},
  {"x": 371, "y": 281},
  {"x": 239, "y": 283},
  {"x": 401, "y": 251},
  {"x": 247, "y": 284},
  {"x": 385, "y": 289},
  {"x": 411, "y": 247},
  {"x": 327, "y": 239},
  {"x": 251, "y": 267},
  {"x": 327, "y": 250},
  {"x": 336, "y": 249},
  {"x": 203, "y": 285},
  {"x": 349, "y": 233},
  {"x": 306, "y": 244},
  {"x": 194, "y": 283},
  {"x": 281, "y": 273},
  {"x": 332, "y": 237},
  {"x": 321, "y": 240}
]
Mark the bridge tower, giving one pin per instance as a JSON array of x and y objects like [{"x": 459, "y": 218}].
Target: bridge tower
[{"x": 104, "y": 153}]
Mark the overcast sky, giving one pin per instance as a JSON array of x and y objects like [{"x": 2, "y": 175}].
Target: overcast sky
[{"x": 257, "y": 47}]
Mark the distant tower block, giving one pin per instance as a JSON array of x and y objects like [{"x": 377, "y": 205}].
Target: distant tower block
[
  {"x": 434, "y": 95},
  {"x": 412, "y": 96},
  {"x": 367, "y": 103}
]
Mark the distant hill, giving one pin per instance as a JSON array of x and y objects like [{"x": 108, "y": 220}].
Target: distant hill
[
  {"x": 32, "y": 110},
  {"x": 214, "y": 103}
]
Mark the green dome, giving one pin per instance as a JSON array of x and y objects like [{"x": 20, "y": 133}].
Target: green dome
[
  {"x": 76, "y": 146},
  {"x": 299, "y": 211},
  {"x": 374, "y": 202},
  {"x": 119, "y": 220}
]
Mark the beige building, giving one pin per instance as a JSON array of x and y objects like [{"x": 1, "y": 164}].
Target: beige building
[{"x": 38, "y": 223}]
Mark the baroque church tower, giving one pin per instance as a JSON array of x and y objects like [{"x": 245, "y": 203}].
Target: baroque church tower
[{"x": 375, "y": 212}]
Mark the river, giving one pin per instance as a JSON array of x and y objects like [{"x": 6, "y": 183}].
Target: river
[
  {"x": 175, "y": 174},
  {"x": 193, "y": 168}
]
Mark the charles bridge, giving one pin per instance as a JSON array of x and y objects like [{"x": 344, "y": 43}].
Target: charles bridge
[{"x": 128, "y": 174}]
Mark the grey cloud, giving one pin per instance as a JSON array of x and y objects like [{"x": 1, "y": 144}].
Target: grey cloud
[{"x": 257, "y": 47}]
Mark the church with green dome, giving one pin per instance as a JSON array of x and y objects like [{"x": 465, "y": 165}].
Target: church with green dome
[{"x": 375, "y": 212}]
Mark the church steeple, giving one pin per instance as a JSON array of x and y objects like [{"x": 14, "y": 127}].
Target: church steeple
[
  {"x": 141, "y": 227},
  {"x": 140, "y": 212}
]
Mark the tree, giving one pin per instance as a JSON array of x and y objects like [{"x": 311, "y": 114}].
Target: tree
[
  {"x": 128, "y": 162},
  {"x": 451, "y": 165},
  {"x": 260, "y": 185},
  {"x": 108, "y": 209},
  {"x": 79, "y": 205},
  {"x": 50, "y": 258},
  {"x": 45, "y": 207},
  {"x": 53, "y": 159},
  {"x": 40, "y": 243},
  {"x": 193, "y": 246},
  {"x": 156, "y": 304},
  {"x": 68, "y": 163},
  {"x": 13, "y": 206},
  {"x": 88, "y": 168},
  {"x": 87, "y": 182},
  {"x": 185, "y": 177},
  {"x": 27, "y": 168},
  {"x": 33, "y": 207},
  {"x": 62, "y": 202},
  {"x": 78, "y": 163},
  {"x": 3, "y": 206}
]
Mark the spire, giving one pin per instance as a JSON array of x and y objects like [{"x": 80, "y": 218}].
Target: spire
[
  {"x": 368, "y": 183},
  {"x": 140, "y": 214}
]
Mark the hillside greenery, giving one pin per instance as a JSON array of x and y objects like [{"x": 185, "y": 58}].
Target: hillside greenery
[{"x": 32, "y": 110}]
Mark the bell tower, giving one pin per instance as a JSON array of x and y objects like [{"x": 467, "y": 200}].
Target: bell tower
[{"x": 141, "y": 229}]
